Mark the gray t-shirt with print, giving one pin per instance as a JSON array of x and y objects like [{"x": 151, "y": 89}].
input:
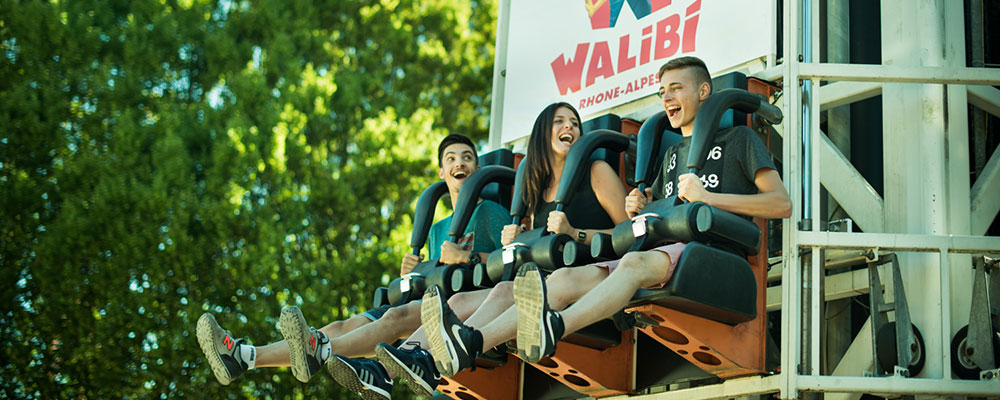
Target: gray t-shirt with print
[{"x": 733, "y": 161}]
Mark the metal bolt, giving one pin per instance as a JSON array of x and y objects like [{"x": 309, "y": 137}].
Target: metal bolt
[
  {"x": 801, "y": 58},
  {"x": 969, "y": 351}
]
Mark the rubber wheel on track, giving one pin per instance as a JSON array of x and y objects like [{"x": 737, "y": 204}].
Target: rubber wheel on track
[
  {"x": 886, "y": 342},
  {"x": 961, "y": 363}
]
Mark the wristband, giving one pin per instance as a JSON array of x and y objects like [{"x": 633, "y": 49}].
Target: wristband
[{"x": 474, "y": 258}]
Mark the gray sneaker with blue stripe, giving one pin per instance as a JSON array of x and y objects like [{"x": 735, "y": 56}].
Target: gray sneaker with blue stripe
[{"x": 364, "y": 377}]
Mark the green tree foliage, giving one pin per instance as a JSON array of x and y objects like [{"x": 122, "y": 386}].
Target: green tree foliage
[{"x": 164, "y": 158}]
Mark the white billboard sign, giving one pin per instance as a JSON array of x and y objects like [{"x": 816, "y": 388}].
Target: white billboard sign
[{"x": 597, "y": 54}]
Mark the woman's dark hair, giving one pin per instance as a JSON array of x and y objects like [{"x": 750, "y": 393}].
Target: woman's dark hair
[{"x": 538, "y": 171}]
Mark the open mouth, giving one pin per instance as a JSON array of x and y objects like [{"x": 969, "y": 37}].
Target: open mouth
[
  {"x": 567, "y": 138},
  {"x": 672, "y": 111},
  {"x": 460, "y": 174}
]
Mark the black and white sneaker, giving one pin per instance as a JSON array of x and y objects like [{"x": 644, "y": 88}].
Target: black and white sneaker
[
  {"x": 454, "y": 346},
  {"x": 538, "y": 327},
  {"x": 364, "y": 377},
  {"x": 416, "y": 365},
  {"x": 306, "y": 346},
  {"x": 221, "y": 351}
]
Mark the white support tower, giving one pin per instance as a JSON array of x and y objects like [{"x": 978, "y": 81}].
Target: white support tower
[{"x": 931, "y": 215}]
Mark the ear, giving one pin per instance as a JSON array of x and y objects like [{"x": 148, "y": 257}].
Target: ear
[
  {"x": 704, "y": 90},
  {"x": 441, "y": 173}
]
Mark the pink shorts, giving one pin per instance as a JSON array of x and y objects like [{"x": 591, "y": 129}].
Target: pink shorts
[{"x": 673, "y": 252}]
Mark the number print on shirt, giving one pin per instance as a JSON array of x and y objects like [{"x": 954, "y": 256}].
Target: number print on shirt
[
  {"x": 715, "y": 154},
  {"x": 710, "y": 181},
  {"x": 673, "y": 162},
  {"x": 668, "y": 189}
]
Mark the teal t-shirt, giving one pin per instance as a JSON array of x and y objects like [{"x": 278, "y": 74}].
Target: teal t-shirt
[{"x": 481, "y": 235}]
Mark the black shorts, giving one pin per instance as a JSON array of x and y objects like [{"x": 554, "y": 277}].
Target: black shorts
[{"x": 374, "y": 314}]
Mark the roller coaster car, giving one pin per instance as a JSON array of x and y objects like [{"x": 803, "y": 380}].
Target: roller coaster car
[
  {"x": 490, "y": 182},
  {"x": 709, "y": 313},
  {"x": 550, "y": 251}
]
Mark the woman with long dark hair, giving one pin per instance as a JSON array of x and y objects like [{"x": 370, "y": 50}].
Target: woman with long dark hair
[{"x": 598, "y": 203}]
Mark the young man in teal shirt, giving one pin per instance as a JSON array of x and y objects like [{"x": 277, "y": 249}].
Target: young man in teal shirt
[{"x": 307, "y": 349}]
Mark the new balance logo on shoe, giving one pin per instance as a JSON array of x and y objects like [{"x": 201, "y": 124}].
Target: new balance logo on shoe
[{"x": 228, "y": 341}]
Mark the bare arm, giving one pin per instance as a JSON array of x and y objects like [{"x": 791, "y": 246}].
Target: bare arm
[
  {"x": 452, "y": 253},
  {"x": 609, "y": 190},
  {"x": 610, "y": 194},
  {"x": 772, "y": 201}
]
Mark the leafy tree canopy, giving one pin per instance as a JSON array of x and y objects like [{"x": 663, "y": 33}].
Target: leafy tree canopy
[{"x": 164, "y": 158}]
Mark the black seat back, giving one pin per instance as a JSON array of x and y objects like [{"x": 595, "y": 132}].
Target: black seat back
[
  {"x": 423, "y": 215},
  {"x": 500, "y": 193},
  {"x": 710, "y": 283},
  {"x": 610, "y": 122}
]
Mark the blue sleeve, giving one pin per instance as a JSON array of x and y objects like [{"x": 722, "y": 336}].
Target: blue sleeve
[
  {"x": 436, "y": 236},
  {"x": 487, "y": 223}
]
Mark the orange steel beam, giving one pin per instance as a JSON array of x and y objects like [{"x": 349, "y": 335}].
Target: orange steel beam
[
  {"x": 723, "y": 350},
  {"x": 596, "y": 373},
  {"x": 501, "y": 383}
]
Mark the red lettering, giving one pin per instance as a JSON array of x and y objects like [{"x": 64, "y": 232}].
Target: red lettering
[
  {"x": 600, "y": 98},
  {"x": 600, "y": 63},
  {"x": 618, "y": 91},
  {"x": 590, "y": 101},
  {"x": 658, "y": 4},
  {"x": 583, "y": 103},
  {"x": 667, "y": 39},
  {"x": 643, "y": 82},
  {"x": 647, "y": 45},
  {"x": 568, "y": 74},
  {"x": 690, "y": 27},
  {"x": 610, "y": 94},
  {"x": 625, "y": 62},
  {"x": 629, "y": 88},
  {"x": 693, "y": 8}
]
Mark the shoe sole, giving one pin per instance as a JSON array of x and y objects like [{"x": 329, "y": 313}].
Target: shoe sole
[
  {"x": 296, "y": 332},
  {"x": 529, "y": 296},
  {"x": 432, "y": 317},
  {"x": 348, "y": 378},
  {"x": 208, "y": 330},
  {"x": 397, "y": 367}
]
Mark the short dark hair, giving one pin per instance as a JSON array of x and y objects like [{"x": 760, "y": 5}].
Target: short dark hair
[
  {"x": 453, "y": 139},
  {"x": 696, "y": 64}
]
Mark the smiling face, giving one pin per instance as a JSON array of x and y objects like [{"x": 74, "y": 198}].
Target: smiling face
[
  {"x": 565, "y": 131},
  {"x": 682, "y": 95},
  {"x": 458, "y": 161}
]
